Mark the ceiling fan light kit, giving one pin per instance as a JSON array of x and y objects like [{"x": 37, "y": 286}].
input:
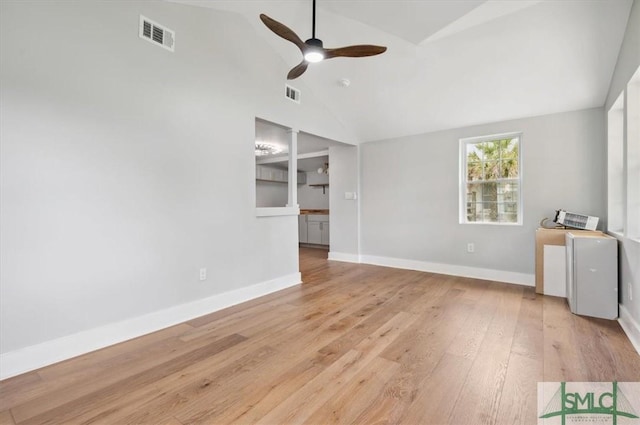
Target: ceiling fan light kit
[
  {"x": 265, "y": 148},
  {"x": 324, "y": 169},
  {"x": 313, "y": 50}
]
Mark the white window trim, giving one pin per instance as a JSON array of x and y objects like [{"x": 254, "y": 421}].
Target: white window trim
[
  {"x": 462, "y": 187},
  {"x": 625, "y": 209},
  {"x": 632, "y": 157},
  {"x": 616, "y": 177}
]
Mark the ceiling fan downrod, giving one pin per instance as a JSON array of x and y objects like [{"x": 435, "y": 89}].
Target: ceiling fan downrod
[
  {"x": 313, "y": 21},
  {"x": 315, "y": 53}
]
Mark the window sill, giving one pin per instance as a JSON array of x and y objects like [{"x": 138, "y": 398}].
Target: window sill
[
  {"x": 617, "y": 235},
  {"x": 622, "y": 237},
  {"x": 490, "y": 224},
  {"x": 277, "y": 211}
]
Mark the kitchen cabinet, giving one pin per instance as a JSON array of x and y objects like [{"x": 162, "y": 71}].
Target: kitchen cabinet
[
  {"x": 302, "y": 229},
  {"x": 271, "y": 174},
  {"x": 314, "y": 229},
  {"x": 302, "y": 177},
  {"x": 279, "y": 175},
  {"x": 324, "y": 233},
  {"x": 314, "y": 234}
]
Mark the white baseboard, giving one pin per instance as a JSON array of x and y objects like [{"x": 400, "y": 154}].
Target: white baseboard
[
  {"x": 343, "y": 256},
  {"x": 525, "y": 279},
  {"x": 630, "y": 327},
  {"x": 49, "y": 352}
]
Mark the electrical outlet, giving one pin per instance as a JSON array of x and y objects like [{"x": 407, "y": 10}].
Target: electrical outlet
[
  {"x": 630, "y": 291},
  {"x": 203, "y": 273},
  {"x": 471, "y": 247}
]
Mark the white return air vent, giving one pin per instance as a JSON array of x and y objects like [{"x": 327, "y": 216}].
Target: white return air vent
[
  {"x": 157, "y": 34},
  {"x": 292, "y": 93}
]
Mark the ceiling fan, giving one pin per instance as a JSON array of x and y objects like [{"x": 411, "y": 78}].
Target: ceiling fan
[{"x": 312, "y": 49}]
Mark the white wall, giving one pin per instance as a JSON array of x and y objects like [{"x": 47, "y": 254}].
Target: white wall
[
  {"x": 125, "y": 168},
  {"x": 628, "y": 58},
  {"x": 410, "y": 191},
  {"x": 629, "y": 250},
  {"x": 313, "y": 197}
]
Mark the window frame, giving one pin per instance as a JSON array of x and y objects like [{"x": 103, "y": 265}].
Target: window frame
[
  {"x": 462, "y": 190},
  {"x": 616, "y": 167},
  {"x": 632, "y": 157},
  {"x": 623, "y": 189}
]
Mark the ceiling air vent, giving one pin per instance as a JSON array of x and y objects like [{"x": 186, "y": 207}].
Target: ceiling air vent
[
  {"x": 157, "y": 34},
  {"x": 292, "y": 93}
]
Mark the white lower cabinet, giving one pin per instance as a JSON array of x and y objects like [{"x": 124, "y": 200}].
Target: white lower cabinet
[
  {"x": 302, "y": 229},
  {"x": 314, "y": 229},
  {"x": 314, "y": 234},
  {"x": 324, "y": 233}
]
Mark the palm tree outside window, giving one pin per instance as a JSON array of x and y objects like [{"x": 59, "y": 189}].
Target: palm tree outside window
[{"x": 491, "y": 179}]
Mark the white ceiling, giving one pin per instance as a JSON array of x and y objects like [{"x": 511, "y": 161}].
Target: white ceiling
[{"x": 450, "y": 63}]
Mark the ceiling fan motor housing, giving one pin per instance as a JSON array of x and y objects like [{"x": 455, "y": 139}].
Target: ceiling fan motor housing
[{"x": 314, "y": 42}]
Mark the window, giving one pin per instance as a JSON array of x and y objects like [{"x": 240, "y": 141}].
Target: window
[
  {"x": 633, "y": 157},
  {"x": 623, "y": 168},
  {"x": 490, "y": 179}
]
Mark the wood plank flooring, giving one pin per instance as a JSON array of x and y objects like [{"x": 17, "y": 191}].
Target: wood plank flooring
[{"x": 353, "y": 344}]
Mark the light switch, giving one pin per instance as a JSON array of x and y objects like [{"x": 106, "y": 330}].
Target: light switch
[{"x": 350, "y": 195}]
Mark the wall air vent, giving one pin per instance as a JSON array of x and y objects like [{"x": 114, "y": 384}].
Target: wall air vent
[
  {"x": 292, "y": 93},
  {"x": 157, "y": 34}
]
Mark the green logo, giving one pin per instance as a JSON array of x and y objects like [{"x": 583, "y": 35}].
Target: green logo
[{"x": 612, "y": 403}]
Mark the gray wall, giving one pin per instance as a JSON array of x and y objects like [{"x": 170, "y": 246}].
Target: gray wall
[
  {"x": 343, "y": 177},
  {"x": 313, "y": 197},
  {"x": 125, "y": 168},
  {"x": 629, "y": 251},
  {"x": 271, "y": 194},
  {"x": 410, "y": 191}
]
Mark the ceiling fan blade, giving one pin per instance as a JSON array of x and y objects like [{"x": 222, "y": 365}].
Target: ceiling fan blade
[
  {"x": 297, "y": 70},
  {"x": 283, "y": 31},
  {"x": 358, "y": 51}
]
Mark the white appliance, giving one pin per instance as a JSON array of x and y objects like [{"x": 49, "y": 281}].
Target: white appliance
[{"x": 592, "y": 274}]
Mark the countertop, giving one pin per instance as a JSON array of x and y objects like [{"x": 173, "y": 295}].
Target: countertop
[{"x": 313, "y": 212}]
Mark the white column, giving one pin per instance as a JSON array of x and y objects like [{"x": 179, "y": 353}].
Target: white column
[{"x": 293, "y": 169}]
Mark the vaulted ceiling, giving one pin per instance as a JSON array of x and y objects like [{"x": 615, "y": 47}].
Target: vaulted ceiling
[{"x": 449, "y": 63}]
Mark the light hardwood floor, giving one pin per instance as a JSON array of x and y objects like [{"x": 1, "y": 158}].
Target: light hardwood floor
[{"x": 353, "y": 344}]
